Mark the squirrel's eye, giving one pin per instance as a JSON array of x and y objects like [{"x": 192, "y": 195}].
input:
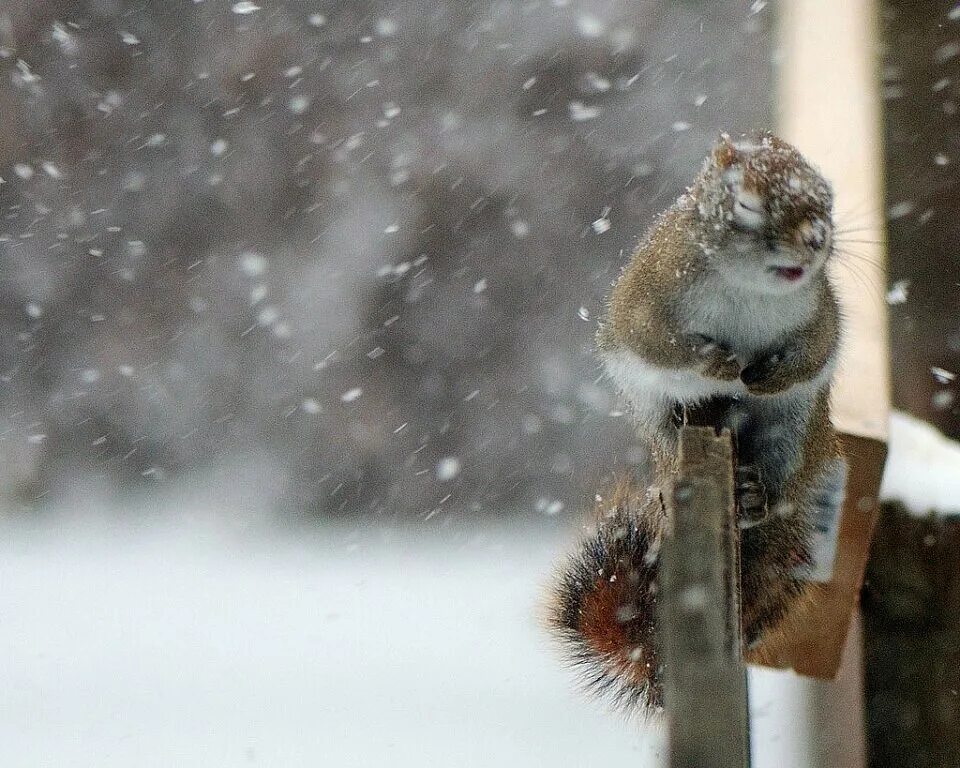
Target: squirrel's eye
[{"x": 748, "y": 211}]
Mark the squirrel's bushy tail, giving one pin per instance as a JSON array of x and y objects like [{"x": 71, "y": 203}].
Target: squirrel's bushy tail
[
  {"x": 603, "y": 605},
  {"x": 604, "y": 601}
]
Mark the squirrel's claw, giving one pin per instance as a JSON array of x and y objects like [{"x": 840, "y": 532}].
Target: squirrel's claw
[{"x": 752, "y": 506}]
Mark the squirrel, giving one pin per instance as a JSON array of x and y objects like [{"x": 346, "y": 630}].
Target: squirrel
[{"x": 724, "y": 314}]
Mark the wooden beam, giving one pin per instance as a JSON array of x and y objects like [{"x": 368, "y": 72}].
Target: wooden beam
[{"x": 705, "y": 681}]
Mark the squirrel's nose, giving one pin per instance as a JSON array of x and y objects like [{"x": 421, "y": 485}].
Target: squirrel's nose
[{"x": 809, "y": 236}]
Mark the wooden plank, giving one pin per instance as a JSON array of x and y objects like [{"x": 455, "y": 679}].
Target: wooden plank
[
  {"x": 829, "y": 108},
  {"x": 705, "y": 682}
]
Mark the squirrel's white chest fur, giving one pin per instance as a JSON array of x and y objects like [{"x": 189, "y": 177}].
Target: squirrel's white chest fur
[{"x": 745, "y": 321}]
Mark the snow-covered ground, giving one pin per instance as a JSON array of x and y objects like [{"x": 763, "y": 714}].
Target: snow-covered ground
[
  {"x": 196, "y": 645},
  {"x": 195, "y": 627},
  {"x": 175, "y": 637}
]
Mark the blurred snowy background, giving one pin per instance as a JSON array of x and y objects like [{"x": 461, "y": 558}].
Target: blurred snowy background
[
  {"x": 274, "y": 275},
  {"x": 354, "y": 249}
]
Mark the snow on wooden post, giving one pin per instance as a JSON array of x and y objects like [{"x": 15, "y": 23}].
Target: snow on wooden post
[{"x": 705, "y": 681}]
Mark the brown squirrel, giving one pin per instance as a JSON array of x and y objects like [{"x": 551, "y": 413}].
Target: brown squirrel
[{"x": 726, "y": 310}]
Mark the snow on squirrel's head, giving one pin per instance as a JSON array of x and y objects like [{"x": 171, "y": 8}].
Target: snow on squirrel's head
[{"x": 768, "y": 212}]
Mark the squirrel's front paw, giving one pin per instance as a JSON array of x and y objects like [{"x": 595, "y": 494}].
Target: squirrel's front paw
[
  {"x": 766, "y": 376},
  {"x": 716, "y": 360}
]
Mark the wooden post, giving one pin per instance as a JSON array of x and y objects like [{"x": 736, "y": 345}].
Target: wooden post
[
  {"x": 705, "y": 681},
  {"x": 829, "y": 106}
]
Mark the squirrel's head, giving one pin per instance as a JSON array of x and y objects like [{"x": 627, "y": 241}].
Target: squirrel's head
[{"x": 768, "y": 213}]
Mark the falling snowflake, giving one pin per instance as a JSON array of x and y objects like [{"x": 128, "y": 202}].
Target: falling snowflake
[
  {"x": 298, "y": 104},
  {"x": 601, "y": 225},
  {"x": 252, "y": 264},
  {"x": 386, "y": 27},
  {"x": 549, "y": 507},
  {"x": 351, "y": 395},
  {"x": 268, "y": 316},
  {"x": 580, "y": 112},
  {"x": 899, "y": 210},
  {"x": 589, "y": 26},
  {"x": 448, "y": 468},
  {"x": 942, "y": 375},
  {"x": 898, "y": 292},
  {"x": 520, "y": 228},
  {"x": 245, "y": 8}
]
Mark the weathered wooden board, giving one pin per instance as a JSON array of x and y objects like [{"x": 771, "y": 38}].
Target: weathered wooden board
[{"x": 705, "y": 680}]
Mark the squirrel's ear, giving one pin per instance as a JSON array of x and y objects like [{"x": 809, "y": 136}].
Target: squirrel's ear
[{"x": 725, "y": 154}]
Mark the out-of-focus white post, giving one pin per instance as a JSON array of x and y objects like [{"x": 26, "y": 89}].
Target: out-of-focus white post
[{"x": 829, "y": 107}]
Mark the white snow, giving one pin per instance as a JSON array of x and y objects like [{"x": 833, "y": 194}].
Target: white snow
[
  {"x": 252, "y": 264},
  {"x": 351, "y": 395},
  {"x": 519, "y": 228},
  {"x": 589, "y": 26},
  {"x": 202, "y": 644},
  {"x": 580, "y": 112},
  {"x": 194, "y": 630},
  {"x": 898, "y": 293},
  {"x": 268, "y": 316},
  {"x": 942, "y": 375},
  {"x": 448, "y": 468},
  {"x": 298, "y": 104},
  {"x": 244, "y": 8},
  {"x": 386, "y": 27},
  {"x": 923, "y": 467},
  {"x": 601, "y": 225},
  {"x": 899, "y": 210}
]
